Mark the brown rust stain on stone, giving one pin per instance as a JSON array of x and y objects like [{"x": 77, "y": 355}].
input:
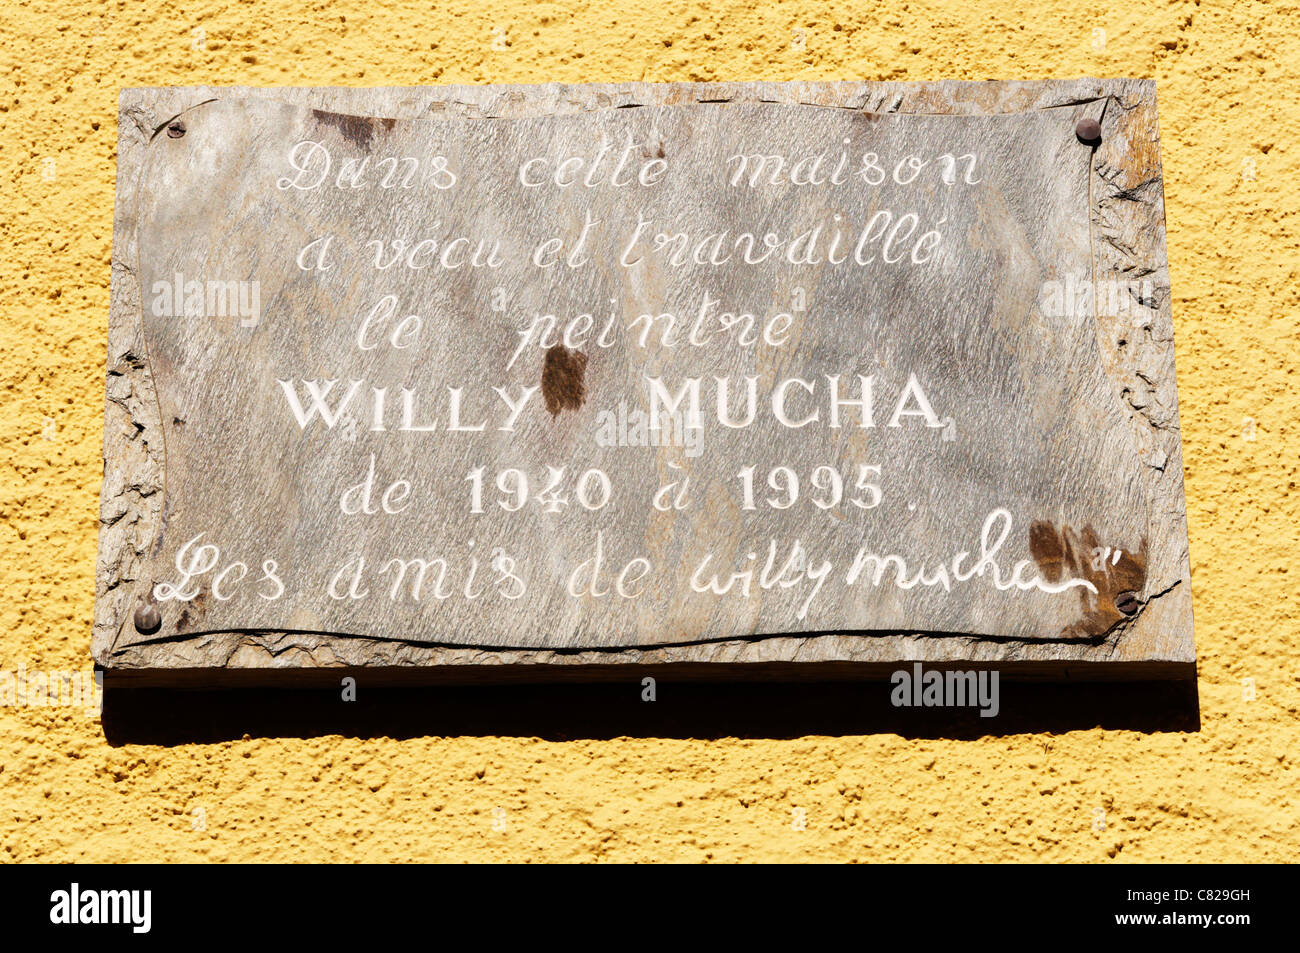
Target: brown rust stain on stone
[
  {"x": 359, "y": 130},
  {"x": 192, "y": 614},
  {"x": 1118, "y": 575},
  {"x": 563, "y": 373}
]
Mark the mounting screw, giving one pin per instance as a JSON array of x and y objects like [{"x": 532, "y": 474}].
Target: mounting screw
[
  {"x": 1127, "y": 603},
  {"x": 1088, "y": 130},
  {"x": 147, "y": 619},
  {"x": 176, "y": 129}
]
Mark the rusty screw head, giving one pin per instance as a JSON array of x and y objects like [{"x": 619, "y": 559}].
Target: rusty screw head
[
  {"x": 1088, "y": 130},
  {"x": 147, "y": 618},
  {"x": 176, "y": 129},
  {"x": 1127, "y": 603}
]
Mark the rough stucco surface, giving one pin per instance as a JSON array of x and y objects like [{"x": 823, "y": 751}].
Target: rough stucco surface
[{"x": 1223, "y": 790}]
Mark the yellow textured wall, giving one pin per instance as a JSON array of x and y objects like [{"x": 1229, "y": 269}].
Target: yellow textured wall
[{"x": 1230, "y": 114}]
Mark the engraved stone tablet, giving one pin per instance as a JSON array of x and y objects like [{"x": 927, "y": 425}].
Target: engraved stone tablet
[{"x": 803, "y": 377}]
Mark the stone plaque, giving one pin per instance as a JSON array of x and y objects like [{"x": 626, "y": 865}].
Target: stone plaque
[{"x": 777, "y": 378}]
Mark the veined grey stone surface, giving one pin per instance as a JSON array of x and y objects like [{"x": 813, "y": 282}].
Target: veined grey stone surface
[{"x": 1011, "y": 418}]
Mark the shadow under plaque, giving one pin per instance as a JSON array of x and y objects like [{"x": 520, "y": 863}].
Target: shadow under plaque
[{"x": 683, "y": 708}]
